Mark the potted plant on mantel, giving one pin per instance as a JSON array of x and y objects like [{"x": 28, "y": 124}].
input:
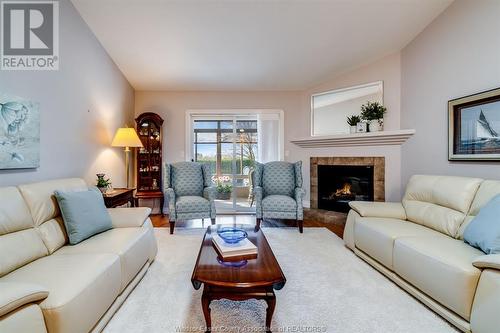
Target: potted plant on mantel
[
  {"x": 353, "y": 121},
  {"x": 373, "y": 113}
]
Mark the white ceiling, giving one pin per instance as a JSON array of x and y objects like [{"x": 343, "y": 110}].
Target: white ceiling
[{"x": 250, "y": 45}]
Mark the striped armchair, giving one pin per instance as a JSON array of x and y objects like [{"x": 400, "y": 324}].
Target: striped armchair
[
  {"x": 278, "y": 191},
  {"x": 189, "y": 192}
]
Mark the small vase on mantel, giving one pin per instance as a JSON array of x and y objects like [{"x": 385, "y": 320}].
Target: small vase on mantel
[
  {"x": 362, "y": 127},
  {"x": 353, "y": 129},
  {"x": 376, "y": 125}
]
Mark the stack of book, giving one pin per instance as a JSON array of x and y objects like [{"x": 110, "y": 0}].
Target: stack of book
[{"x": 243, "y": 250}]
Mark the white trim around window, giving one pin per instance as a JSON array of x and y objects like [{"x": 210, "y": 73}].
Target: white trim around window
[{"x": 215, "y": 114}]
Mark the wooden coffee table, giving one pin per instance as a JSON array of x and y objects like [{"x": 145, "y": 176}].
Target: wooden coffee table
[{"x": 257, "y": 279}]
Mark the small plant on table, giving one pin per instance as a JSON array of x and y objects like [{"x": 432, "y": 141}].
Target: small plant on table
[{"x": 103, "y": 184}]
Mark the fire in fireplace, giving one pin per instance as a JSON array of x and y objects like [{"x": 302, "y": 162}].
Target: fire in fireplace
[
  {"x": 343, "y": 193},
  {"x": 339, "y": 184}
]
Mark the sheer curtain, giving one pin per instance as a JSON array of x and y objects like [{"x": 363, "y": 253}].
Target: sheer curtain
[{"x": 270, "y": 137}]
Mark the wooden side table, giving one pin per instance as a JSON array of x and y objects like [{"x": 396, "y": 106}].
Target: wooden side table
[
  {"x": 150, "y": 195},
  {"x": 118, "y": 197}
]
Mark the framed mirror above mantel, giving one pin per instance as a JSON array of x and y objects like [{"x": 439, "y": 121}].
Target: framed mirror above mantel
[
  {"x": 330, "y": 109},
  {"x": 329, "y": 112}
]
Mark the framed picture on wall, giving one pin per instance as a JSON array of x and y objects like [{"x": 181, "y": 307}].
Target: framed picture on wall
[
  {"x": 19, "y": 133},
  {"x": 474, "y": 127}
]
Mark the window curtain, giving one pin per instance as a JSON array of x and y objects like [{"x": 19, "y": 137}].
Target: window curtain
[{"x": 269, "y": 137}]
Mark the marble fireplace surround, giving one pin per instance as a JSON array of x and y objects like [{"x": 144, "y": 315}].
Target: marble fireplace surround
[{"x": 378, "y": 164}]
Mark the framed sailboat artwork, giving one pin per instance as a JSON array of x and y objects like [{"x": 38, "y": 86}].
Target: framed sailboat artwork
[{"x": 474, "y": 127}]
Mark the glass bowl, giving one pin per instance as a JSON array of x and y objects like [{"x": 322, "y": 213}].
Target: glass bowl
[
  {"x": 232, "y": 235},
  {"x": 235, "y": 264}
]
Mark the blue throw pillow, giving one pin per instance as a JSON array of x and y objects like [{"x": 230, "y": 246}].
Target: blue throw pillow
[
  {"x": 483, "y": 231},
  {"x": 84, "y": 214}
]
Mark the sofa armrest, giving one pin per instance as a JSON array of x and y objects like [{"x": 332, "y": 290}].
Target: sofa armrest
[
  {"x": 13, "y": 295},
  {"x": 210, "y": 193},
  {"x": 170, "y": 196},
  {"x": 487, "y": 261},
  {"x": 257, "y": 192},
  {"x": 129, "y": 217},
  {"x": 299, "y": 195},
  {"x": 393, "y": 210}
]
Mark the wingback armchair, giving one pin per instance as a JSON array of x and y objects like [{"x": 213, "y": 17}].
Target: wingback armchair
[
  {"x": 278, "y": 191},
  {"x": 189, "y": 191}
]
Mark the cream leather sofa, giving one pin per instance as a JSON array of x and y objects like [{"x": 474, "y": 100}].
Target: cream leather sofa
[
  {"x": 419, "y": 245},
  {"x": 48, "y": 285}
]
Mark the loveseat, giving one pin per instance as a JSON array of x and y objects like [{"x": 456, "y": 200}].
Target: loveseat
[
  {"x": 419, "y": 245},
  {"x": 47, "y": 285}
]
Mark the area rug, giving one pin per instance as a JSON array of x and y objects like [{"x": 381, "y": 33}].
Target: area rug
[{"x": 328, "y": 289}]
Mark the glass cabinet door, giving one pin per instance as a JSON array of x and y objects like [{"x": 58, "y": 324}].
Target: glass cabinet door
[{"x": 149, "y": 156}]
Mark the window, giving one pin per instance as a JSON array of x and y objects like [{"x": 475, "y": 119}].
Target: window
[
  {"x": 230, "y": 142},
  {"x": 213, "y": 144}
]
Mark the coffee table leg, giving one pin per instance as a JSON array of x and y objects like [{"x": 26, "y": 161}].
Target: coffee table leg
[
  {"x": 271, "y": 304},
  {"x": 205, "y": 304}
]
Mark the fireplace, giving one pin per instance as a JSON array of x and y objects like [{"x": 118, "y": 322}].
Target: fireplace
[
  {"x": 335, "y": 181},
  {"x": 339, "y": 184}
]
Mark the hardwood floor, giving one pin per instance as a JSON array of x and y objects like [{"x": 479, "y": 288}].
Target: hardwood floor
[{"x": 162, "y": 222}]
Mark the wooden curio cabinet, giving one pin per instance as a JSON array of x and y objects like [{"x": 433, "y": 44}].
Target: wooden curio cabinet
[{"x": 149, "y": 161}]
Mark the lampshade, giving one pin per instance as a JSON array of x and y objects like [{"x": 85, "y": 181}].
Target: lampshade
[{"x": 126, "y": 137}]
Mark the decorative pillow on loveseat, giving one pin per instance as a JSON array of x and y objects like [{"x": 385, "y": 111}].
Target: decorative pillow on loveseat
[
  {"x": 483, "y": 231},
  {"x": 84, "y": 214}
]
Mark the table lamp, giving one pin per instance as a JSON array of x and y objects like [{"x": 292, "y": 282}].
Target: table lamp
[{"x": 127, "y": 138}]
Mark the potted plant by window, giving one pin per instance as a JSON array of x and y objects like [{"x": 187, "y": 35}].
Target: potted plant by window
[
  {"x": 103, "y": 184},
  {"x": 223, "y": 187},
  {"x": 373, "y": 113}
]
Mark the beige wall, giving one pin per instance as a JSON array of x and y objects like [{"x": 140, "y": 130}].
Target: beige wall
[
  {"x": 172, "y": 107},
  {"x": 456, "y": 55},
  {"x": 332, "y": 118},
  {"x": 387, "y": 70},
  {"x": 81, "y": 105}
]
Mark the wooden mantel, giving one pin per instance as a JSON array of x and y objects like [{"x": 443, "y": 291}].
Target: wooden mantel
[{"x": 383, "y": 138}]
